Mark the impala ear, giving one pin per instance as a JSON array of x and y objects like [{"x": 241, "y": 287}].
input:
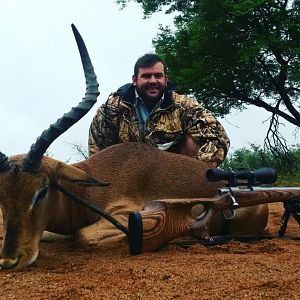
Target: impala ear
[{"x": 75, "y": 175}]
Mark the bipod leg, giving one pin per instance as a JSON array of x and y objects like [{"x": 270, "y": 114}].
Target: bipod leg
[
  {"x": 291, "y": 207},
  {"x": 296, "y": 211},
  {"x": 285, "y": 219}
]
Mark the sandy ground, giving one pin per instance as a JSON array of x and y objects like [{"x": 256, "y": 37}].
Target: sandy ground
[{"x": 265, "y": 269}]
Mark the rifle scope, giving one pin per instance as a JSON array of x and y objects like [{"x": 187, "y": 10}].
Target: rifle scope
[{"x": 260, "y": 176}]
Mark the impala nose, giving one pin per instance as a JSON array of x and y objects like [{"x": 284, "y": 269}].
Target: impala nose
[{"x": 8, "y": 263}]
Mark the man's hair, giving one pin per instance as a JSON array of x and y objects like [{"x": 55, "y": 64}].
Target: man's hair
[{"x": 146, "y": 61}]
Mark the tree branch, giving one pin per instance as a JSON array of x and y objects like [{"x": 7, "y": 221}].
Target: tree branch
[
  {"x": 260, "y": 103},
  {"x": 279, "y": 85}
]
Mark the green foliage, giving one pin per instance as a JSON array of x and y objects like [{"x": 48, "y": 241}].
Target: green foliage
[
  {"x": 256, "y": 157},
  {"x": 288, "y": 180},
  {"x": 150, "y": 7}
]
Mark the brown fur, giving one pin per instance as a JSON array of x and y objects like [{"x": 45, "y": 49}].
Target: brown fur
[{"x": 136, "y": 172}]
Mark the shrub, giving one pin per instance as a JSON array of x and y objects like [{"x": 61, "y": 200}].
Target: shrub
[{"x": 285, "y": 164}]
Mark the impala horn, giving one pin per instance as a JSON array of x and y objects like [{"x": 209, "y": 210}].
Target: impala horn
[
  {"x": 32, "y": 161},
  {"x": 4, "y": 163}
]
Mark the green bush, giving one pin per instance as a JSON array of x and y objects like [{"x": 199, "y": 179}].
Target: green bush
[{"x": 286, "y": 165}]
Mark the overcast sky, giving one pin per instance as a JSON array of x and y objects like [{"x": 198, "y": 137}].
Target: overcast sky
[{"x": 41, "y": 75}]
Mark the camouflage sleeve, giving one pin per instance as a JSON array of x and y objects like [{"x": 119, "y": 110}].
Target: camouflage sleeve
[
  {"x": 94, "y": 140},
  {"x": 103, "y": 130},
  {"x": 207, "y": 132}
]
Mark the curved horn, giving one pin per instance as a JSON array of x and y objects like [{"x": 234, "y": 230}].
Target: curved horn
[
  {"x": 33, "y": 158},
  {"x": 4, "y": 163}
]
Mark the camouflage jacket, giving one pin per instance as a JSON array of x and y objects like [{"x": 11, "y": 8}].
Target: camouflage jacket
[{"x": 117, "y": 121}]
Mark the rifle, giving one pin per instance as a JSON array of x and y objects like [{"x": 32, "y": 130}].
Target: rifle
[{"x": 163, "y": 220}]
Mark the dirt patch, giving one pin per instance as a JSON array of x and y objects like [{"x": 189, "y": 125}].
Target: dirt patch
[{"x": 263, "y": 269}]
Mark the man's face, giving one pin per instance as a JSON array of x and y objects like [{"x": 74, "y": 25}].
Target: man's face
[{"x": 150, "y": 82}]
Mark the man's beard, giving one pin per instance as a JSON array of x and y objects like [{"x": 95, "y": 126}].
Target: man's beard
[{"x": 150, "y": 102}]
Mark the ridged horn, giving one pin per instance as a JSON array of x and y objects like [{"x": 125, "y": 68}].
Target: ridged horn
[
  {"x": 33, "y": 158},
  {"x": 4, "y": 163}
]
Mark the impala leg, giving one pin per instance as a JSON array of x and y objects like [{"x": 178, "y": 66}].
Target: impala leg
[
  {"x": 102, "y": 233},
  {"x": 49, "y": 236},
  {"x": 250, "y": 220}
]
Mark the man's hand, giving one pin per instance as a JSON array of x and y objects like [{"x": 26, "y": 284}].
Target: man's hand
[{"x": 187, "y": 146}]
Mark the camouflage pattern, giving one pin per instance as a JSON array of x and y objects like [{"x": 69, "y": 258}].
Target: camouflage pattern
[{"x": 117, "y": 122}]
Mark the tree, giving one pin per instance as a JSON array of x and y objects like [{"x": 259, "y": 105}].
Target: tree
[{"x": 234, "y": 53}]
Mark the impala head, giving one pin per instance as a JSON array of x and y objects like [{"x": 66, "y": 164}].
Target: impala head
[{"x": 27, "y": 181}]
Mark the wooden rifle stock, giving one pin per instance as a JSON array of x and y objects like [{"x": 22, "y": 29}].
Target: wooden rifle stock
[{"x": 163, "y": 220}]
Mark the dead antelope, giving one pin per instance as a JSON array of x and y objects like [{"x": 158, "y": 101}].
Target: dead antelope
[{"x": 35, "y": 190}]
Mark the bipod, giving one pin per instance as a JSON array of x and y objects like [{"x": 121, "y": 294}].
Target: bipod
[{"x": 290, "y": 207}]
